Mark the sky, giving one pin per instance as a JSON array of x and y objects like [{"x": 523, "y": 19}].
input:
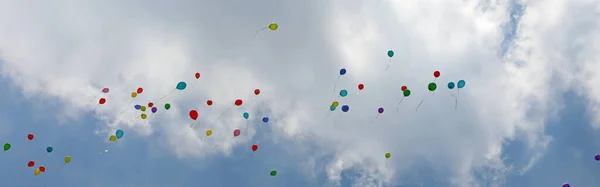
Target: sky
[{"x": 528, "y": 115}]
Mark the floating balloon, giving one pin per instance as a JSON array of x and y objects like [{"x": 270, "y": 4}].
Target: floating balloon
[
  {"x": 42, "y": 168},
  {"x": 133, "y": 94},
  {"x": 273, "y": 173},
  {"x": 181, "y": 86},
  {"x": 265, "y": 119},
  {"x": 139, "y": 90},
  {"x": 390, "y": 53},
  {"x": 343, "y": 71},
  {"x": 461, "y": 83},
  {"x": 67, "y": 159},
  {"x": 143, "y": 108},
  {"x": 403, "y": 88},
  {"x": 194, "y": 114},
  {"x": 31, "y": 163},
  {"x": 343, "y": 93},
  {"x": 566, "y": 185},
  {"x": 246, "y": 115},
  {"x": 597, "y": 157},
  {"x": 7, "y": 146},
  {"x": 335, "y": 104},
  {"x": 380, "y": 110},
  {"x": 197, "y": 75},
  {"x": 273, "y": 26},
  {"x": 256, "y": 91},
  {"x": 102, "y": 101},
  {"x": 208, "y": 132},
  {"x": 36, "y": 171},
  {"x": 361, "y": 86},
  {"x": 209, "y": 102},
  {"x": 332, "y": 108},
  {"x": 144, "y": 116},
  {"x": 150, "y": 104},
  {"x": 119, "y": 133},
  {"x": 345, "y": 108},
  {"x": 254, "y": 147},
  {"x": 406, "y": 93},
  {"x": 238, "y": 102},
  {"x": 388, "y": 155},
  {"x": 105, "y": 90},
  {"x": 432, "y": 86},
  {"x": 436, "y": 74},
  {"x": 154, "y": 109},
  {"x": 30, "y": 136},
  {"x": 236, "y": 132},
  {"x": 49, "y": 149},
  {"x": 137, "y": 107},
  {"x": 167, "y": 106},
  {"x": 112, "y": 138},
  {"x": 451, "y": 85}
]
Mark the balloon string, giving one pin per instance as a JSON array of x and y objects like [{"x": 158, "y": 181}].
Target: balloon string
[
  {"x": 336, "y": 82},
  {"x": 398, "y": 106},
  {"x": 127, "y": 108},
  {"x": 95, "y": 108},
  {"x": 195, "y": 84},
  {"x": 246, "y": 130},
  {"x": 224, "y": 113},
  {"x": 95, "y": 97},
  {"x": 417, "y": 109},
  {"x": 456, "y": 98},
  {"x": 167, "y": 94},
  {"x": 191, "y": 125},
  {"x": 255, "y": 34},
  {"x": 388, "y": 66}
]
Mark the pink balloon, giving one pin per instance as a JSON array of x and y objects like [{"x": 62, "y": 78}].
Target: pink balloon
[
  {"x": 105, "y": 90},
  {"x": 236, "y": 132}
]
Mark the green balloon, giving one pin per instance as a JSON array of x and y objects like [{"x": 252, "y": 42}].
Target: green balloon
[
  {"x": 273, "y": 173},
  {"x": 406, "y": 93},
  {"x": 432, "y": 86},
  {"x": 7, "y": 146},
  {"x": 167, "y": 106}
]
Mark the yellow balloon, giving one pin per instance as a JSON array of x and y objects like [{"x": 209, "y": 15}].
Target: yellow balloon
[
  {"x": 67, "y": 159},
  {"x": 133, "y": 94},
  {"x": 388, "y": 155},
  {"x": 143, "y": 108},
  {"x": 208, "y": 132},
  {"x": 144, "y": 116},
  {"x": 113, "y": 138},
  {"x": 273, "y": 26},
  {"x": 335, "y": 104},
  {"x": 36, "y": 171}
]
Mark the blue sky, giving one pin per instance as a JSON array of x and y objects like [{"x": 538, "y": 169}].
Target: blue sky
[{"x": 525, "y": 103}]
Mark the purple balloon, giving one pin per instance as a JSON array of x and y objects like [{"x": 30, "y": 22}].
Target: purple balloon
[
  {"x": 105, "y": 90},
  {"x": 566, "y": 185},
  {"x": 597, "y": 157},
  {"x": 380, "y": 110},
  {"x": 154, "y": 109}
]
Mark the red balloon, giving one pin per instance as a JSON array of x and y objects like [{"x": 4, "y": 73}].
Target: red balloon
[
  {"x": 31, "y": 163},
  {"x": 404, "y": 88},
  {"x": 361, "y": 86},
  {"x": 194, "y": 114},
  {"x": 209, "y": 102},
  {"x": 256, "y": 91},
  {"x": 30, "y": 136},
  {"x": 42, "y": 169},
  {"x": 150, "y": 104},
  {"x": 236, "y": 132},
  {"x": 436, "y": 74},
  {"x": 197, "y": 75},
  {"x": 102, "y": 101},
  {"x": 254, "y": 147},
  {"x": 238, "y": 102},
  {"x": 140, "y": 90}
]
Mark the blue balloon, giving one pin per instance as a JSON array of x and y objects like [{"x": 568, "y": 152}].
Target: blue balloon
[
  {"x": 265, "y": 119},
  {"x": 390, "y": 53},
  {"x": 119, "y": 134},
  {"x": 343, "y": 93},
  {"x": 345, "y": 108},
  {"x": 181, "y": 85},
  {"x": 343, "y": 71},
  {"x": 137, "y": 107},
  {"x": 49, "y": 149},
  {"x": 332, "y": 108},
  {"x": 246, "y": 115},
  {"x": 451, "y": 85},
  {"x": 461, "y": 83}
]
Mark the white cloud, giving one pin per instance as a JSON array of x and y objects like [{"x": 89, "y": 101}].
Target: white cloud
[{"x": 63, "y": 49}]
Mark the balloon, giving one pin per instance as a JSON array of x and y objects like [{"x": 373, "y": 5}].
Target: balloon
[
  {"x": 139, "y": 90},
  {"x": 208, "y": 132},
  {"x": 167, "y": 106},
  {"x": 388, "y": 155},
  {"x": 197, "y": 75},
  {"x": 36, "y": 171},
  {"x": 380, "y": 110},
  {"x": 265, "y": 119},
  {"x": 256, "y": 91},
  {"x": 246, "y": 115},
  {"x": 30, "y": 136},
  {"x": 67, "y": 159},
  {"x": 137, "y": 107},
  {"x": 432, "y": 86},
  {"x": 238, "y": 102},
  {"x": 49, "y": 149},
  {"x": 343, "y": 93},
  {"x": 273, "y": 26},
  {"x": 390, "y": 53},
  {"x": 403, "y": 88},
  {"x": 273, "y": 173},
  {"x": 194, "y": 114},
  {"x": 342, "y": 71},
  {"x": 42, "y": 168},
  {"x": 406, "y": 93},
  {"x": 451, "y": 85},
  {"x": 102, "y": 101},
  {"x": 436, "y": 74},
  {"x": 31, "y": 163},
  {"x": 254, "y": 147},
  {"x": 345, "y": 108},
  {"x": 566, "y": 185},
  {"x": 209, "y": 102},
  {"x": 461, "y": 83},
  {"x": 181, "y": 85},
  {"x": 332, "y": 108},
  {"x": 361, "y": 86},
  {"x": 133, "y": 94},
  {"x": 143, "y": 116},
  {"x": 112, "y": 138},
  {"x": 7, "y": 146},
  {"x": 597, "y": 157},
  {"x": 119, "y": 133},
  {"x": 105, "y": 90},
  {"x": 143, "y": 108},
  {"x": 154, "y": 109},
  {"x": 150, "y": 104},
  {"x": 236, "y": 132}
]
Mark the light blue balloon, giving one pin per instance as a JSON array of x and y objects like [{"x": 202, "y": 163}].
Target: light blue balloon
[
  {"x": 390, "y": 53},
  {"x": 343, "y": 93},
  {"x": 119, "y": 134},
  {"x": 461, "y": 84},
  {"x": 451, "y": 85},
  {"x": 246, "y": 115},
  {"x": 181, "y": 85},
  {"x": 345, "y": 108},
  {"x": 332, "y": 108}
]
